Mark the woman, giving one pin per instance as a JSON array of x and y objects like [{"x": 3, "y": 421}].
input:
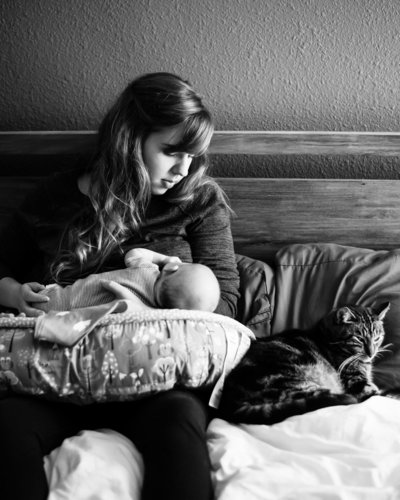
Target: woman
[{"x": 145, "y": 187}]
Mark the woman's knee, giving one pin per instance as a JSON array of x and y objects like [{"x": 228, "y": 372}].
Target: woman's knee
[
  {"x": 13, "y": 415},
  {"x": 180, "y": 406},
  {"x": 25, "y": 419},
  {"x": 170, "y": 415}
]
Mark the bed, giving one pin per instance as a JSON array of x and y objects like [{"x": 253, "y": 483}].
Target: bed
[{"x": 303, "y": 246}]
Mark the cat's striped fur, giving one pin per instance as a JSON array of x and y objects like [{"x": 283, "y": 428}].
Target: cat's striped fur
[{"x": 298, "y": 371}]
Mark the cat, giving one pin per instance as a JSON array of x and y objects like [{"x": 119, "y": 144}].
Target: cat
[{"x": 298, "y": 371}]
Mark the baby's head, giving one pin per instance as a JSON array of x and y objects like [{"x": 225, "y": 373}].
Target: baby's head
[{"x": 191, "y": 286}]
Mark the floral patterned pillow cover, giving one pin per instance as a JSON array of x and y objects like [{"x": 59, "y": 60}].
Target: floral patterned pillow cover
[{"x": 125, "y": 356}]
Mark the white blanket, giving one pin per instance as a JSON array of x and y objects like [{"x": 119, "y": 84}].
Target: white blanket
[
  {"x": 95, "y": 465},
  {"x": 343, "y": 452}
]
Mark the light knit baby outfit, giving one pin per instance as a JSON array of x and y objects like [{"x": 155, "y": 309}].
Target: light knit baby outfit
[{"x": 139, "y": 278}]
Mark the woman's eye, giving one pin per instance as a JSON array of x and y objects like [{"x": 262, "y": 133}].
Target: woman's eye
[{"x": 177, "y": 154}]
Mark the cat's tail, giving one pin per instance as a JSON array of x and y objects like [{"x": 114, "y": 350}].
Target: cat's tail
[{"x": 302, "y": 402}]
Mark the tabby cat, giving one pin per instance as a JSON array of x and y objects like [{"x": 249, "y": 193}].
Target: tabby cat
[{"x": 298, "y": 371}]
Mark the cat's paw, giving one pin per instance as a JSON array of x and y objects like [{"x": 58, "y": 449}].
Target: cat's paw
[
  {"x": 368, "y": 391},
  {"x": 392, "y": 393}
]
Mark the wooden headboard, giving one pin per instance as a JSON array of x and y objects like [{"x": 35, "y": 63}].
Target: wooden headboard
[{"x": 270, "y": 213}]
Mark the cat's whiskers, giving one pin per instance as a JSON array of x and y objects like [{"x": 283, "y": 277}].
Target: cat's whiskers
[
  {"x": 348, "y": 361},
  {"x": 382, "y": 350},
  {"x": 385, "y": 348},
  {"x": 303, "y": 370}
]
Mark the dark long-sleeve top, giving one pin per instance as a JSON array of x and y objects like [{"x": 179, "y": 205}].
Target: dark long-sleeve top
[{"x": 32, "y": 238}]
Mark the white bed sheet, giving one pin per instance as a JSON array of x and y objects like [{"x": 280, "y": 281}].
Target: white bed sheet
[
  {"x": 338, "y": 453},
  {"x": 346, "y": 452},
  {"x": 95, "y": 465}
]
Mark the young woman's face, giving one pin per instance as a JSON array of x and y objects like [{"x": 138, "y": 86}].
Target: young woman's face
[{"x": 165, "y": 169}]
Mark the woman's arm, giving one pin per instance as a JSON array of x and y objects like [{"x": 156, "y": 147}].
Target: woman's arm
[{"x": 211, "y": 243}]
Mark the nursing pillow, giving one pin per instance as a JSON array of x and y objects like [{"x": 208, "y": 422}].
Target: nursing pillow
[{"x": 123, "y": 357}]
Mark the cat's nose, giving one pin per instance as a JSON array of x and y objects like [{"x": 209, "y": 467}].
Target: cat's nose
[{"x": 369, "y": 349}]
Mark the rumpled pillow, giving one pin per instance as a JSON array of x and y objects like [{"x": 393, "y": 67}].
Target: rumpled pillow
[
  {"x": 255, "y": 305},
  {"x": 123, "y": 357},
  {"x": 312, "y": 279},
  {"x": 96, "y": 465}
]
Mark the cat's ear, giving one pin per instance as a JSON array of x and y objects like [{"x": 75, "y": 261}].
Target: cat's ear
[
  {"x": 345, "y": 315},
  {"x": 381, "y": 310}
]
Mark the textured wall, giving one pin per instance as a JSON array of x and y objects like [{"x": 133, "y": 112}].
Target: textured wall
[{"x": 260, "y": 64}]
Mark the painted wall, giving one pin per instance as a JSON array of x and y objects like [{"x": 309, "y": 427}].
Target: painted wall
[{"x": 260, "y": 64}]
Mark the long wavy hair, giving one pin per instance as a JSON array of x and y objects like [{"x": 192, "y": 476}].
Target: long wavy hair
[{"x": 119, "y": 187}]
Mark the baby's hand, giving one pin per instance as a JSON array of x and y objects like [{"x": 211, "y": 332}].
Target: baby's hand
[{"x": 27, "y": 295}]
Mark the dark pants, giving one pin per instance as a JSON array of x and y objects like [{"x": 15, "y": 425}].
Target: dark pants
[{"x": 168, "y": 429}]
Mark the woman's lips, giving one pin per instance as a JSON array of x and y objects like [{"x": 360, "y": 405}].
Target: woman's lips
[{"x": 168, "y": 183}]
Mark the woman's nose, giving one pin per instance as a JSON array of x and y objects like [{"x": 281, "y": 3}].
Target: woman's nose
[{"x": 182, "y": 165}]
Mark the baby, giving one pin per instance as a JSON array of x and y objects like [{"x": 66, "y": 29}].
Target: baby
[{"x": 176, "y": 285}]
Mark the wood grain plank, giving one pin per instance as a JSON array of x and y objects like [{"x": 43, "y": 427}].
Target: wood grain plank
[
  {"x": 271, "y": 213},
  {"x": 47, "y": 142},
  {"x": 311, "y": 143},
  {"x": 223, "y": 142},
  {"x": 13, "y": 190}
]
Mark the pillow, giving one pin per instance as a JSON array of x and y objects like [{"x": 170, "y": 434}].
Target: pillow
[
  {"x": 256, "y": 295},
  {"x": 312, "y": 279},
  {"x": 124, "y": 356}
]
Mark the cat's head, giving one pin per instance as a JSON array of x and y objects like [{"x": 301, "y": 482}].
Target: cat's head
[{"x": 355, "y": 331}]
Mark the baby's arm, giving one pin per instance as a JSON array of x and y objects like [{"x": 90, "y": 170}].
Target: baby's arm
[
  {"x": 134, "y": 303},
  {"x": 156, "y": 258}
]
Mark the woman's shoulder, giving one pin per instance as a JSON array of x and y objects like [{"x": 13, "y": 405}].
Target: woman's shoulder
[
  {"x": 210, "y": 193},
  {"x": 207, "y": 200},
  {"x": 203, "y": 199}
]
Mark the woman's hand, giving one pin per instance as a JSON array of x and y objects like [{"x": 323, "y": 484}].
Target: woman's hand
[
  {"x": 169, "y": 263},
  {"x": 26, "y": 295}
]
